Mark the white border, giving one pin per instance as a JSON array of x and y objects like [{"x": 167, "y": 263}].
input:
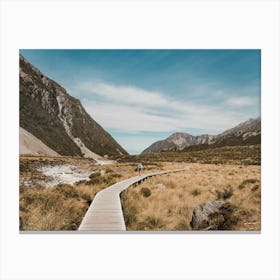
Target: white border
[{"x": 155, "y": 24}]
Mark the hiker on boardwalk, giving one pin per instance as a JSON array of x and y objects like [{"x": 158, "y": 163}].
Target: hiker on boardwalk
[{"x": 139, "y": 168}]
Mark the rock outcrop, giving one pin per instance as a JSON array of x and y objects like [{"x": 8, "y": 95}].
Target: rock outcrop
[{"x": 213, "y": 215}]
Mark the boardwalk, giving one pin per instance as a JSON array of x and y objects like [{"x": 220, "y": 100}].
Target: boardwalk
[{"x": 105, "y": 212}]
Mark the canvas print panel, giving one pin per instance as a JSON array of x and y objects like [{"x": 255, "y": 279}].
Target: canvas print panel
[{"x": 140, "y": 140}]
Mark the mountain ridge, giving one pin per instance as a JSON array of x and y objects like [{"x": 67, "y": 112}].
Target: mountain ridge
[
  {"x": 245, "y": 133},
  {"x": 58, "y": 119}
]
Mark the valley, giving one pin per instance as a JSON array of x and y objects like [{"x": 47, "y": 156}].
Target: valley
[
  {"x": 49, "y": 204},
  {"x": 66, "y": 158}
]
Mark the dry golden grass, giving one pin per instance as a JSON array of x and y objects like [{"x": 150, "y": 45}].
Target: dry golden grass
[
  {"x": 60, "y": 207},
  {"x": 245, "y": 155},
  {"x": 63, "y": 207},
  {"x": 171, "y": 208},
  {"x": 165, "y": 208}
]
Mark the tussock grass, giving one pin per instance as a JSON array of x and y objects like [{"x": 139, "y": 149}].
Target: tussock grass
[
  {"x": 243, "y": 155},
  {"x": 108, "y": 178},
  {"x": 169, "y": 208},
  {"x": 226, "y": 193},
  {"x": 146, "y": 192},
  {"x": 174, "y": 204},
  {"x": 55, "y": 208},
  {"x": 182, "y": 225},
  {"x": 153, "y": 223},
  {"x": 196, "y": 192},
  {"x": 247, "y": 182},
  {"x": 58, "y": 208},
  {"x": 61, "y": 207}
]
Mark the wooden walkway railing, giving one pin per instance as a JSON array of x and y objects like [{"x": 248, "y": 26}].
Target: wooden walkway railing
[{"x": 105, "y": 212}]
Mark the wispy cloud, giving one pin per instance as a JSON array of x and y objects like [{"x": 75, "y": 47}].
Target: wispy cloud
[
  {"x": 241, "y": 101},
  {"x": 128, "y": 108}
]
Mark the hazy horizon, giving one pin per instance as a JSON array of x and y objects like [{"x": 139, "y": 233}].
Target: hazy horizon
[{"x": 141, "y": 96}]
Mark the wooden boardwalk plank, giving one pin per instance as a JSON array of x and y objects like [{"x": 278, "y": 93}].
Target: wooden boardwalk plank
[{"x": 105, "y": 212}]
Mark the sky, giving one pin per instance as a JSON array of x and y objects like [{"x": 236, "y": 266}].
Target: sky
[{"x": 141, "y": 96}]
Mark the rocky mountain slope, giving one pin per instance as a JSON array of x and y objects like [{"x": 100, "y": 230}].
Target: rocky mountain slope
[
  {"x": 59, "y": 120},
  {"x": 179, "y": 141},
  {"x": 246, "y": 133}
]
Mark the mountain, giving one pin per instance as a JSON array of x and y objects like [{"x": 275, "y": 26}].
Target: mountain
[
  {"x": 178, "y": 141},
  {"x": 59, "y": 120},
  {"x": 246, "y": 133}
]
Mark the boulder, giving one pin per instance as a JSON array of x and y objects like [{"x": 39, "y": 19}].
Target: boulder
[{"x": 213, "y": 215}]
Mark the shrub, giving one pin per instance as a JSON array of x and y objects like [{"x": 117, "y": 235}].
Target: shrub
[
  {"x": 109, "y": 170},
  {"x": 57, "y": 208},
  {"x": 25, "y": 166},
  {"x": 247, "y": 182},
  {"x": 129, "y": 210},
  {"x": 228, "y": 210},
  {"x": 108, "y": 179},
  {"x": 95, "y": 178},
  {"x": 182, "y": 225},
  {"x": 146, "y": 192},
  {"x": 94, "y": 175},
  {"x": 87, "y": 197},
  {"x": 111, "y": 178},
  {"x": 256, "y": 187},
  {"x": 225, "y": 194},
  {"x": 68, "y": 191},
  {"x": 196, "y": 192},
  {"x": 153, "y": 223},
  {"x": 184, "y": 210}
]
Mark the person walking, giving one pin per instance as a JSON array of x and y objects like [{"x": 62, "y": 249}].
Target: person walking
[{"x": 139, "y": 168}]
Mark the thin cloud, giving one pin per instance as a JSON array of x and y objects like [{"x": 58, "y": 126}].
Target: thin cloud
[
  {"x": 125, "y": 94},
  {"x": 129, "y": 109},
  {"x": 242, "y": 101}
]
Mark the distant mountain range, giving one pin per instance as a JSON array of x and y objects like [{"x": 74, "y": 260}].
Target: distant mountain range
[
  {"x": 246, "y": 133},
  {"x": 49, "y": 115}
]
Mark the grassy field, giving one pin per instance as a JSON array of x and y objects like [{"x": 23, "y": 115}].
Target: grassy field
[
  {"x": 162, "y": 203},
  {"x": 245, "y": 155},
  {"x": 166, "y": 202},
  {"x": 63, "y": 207}
]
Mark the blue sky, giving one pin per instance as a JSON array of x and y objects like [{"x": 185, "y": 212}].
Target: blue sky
[{"x": 141, "y": 96}]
